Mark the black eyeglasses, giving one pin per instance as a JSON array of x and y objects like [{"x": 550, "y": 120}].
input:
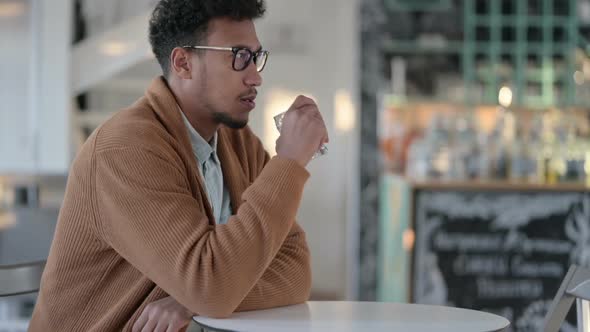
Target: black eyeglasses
[{"x": 242, "y": 56}]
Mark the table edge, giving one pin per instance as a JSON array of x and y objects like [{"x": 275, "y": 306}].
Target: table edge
[{"x": 215, "y": 329}]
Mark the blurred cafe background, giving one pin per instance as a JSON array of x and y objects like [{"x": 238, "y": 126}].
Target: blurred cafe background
[{"x": 459, "y": 159}]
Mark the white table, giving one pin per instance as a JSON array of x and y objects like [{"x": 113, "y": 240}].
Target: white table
[{"x": 358, "y": 316}]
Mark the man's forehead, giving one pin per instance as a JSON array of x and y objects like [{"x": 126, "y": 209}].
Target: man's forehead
[{"x": 227, "y": 32}]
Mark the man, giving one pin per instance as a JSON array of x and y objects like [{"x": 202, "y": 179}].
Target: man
[{"x": 172, "y": 207}]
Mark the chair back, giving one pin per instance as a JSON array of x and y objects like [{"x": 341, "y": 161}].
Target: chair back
[
  {"x": 575, "y": 286},
  {"x": 20, "y": 279}
]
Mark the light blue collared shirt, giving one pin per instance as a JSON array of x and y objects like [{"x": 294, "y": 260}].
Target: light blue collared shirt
[{"x": 210, "y": 169}]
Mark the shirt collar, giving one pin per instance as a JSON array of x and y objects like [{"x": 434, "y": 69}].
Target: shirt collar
[{"x": 201, "y": 147}]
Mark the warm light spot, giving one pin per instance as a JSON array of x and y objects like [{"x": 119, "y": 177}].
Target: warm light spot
[
  {"x": 7, "y": 220},
  {"x": 11, "y": 9},
  {"x": 505, "y": 97},
  {"x": 344, "y": 111},
  {"x": 6, "y": 196},
  {"x": 115, "y": 48},
  {"x": 408, "y": 239}
]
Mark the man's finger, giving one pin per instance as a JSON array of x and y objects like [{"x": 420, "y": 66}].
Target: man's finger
[
  {"x": 177, "y": 326},
  {"x": 309, "y": 108},
  {"x": 140, "y": 322},
  {"x": 162, "y": 326},
  {"x": 313, "y": 111},
  {"x": 150, "y": 325},
  {"x": 300, "y": 101},
  {"x": 172, "y": 328}
]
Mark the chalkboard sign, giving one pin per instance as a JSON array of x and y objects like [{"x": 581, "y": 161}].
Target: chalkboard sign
[{"x": 500, "y": 252}]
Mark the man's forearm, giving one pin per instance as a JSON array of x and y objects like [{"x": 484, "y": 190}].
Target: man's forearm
[
  {"x": 287, "y": 280},
  {"x": 208, "y": 270}
]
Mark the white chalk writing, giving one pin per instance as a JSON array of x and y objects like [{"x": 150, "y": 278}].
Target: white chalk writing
[
  {"x": 506, "y": 211},
  {"x": 509, "y": 289},
  {"x": 522, "y": 268},
  {"x": 460, "y": 241},
  {"x": 467, "y": 241},
  {"x": 480, "y": 265}
]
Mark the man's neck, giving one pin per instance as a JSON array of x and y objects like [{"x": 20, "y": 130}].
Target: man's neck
[
  {"x": 202, "y": 126},
  {"x": 197, "y": 117}
]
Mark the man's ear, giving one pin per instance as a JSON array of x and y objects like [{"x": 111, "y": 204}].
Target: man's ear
[{"x": 180, "y": 63}]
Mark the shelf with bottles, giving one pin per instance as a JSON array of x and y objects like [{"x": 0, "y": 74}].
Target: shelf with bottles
[
  {"x": 448, "y": 142},
  {"x": 534, "y": 71}
]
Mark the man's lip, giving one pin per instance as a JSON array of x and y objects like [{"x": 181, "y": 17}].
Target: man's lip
[
  {"x": 248, "y": 102},
  {"x": 249, "y": 97}
]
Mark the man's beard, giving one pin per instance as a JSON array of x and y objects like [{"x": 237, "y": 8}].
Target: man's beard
[{"x": 227, "y": 120}]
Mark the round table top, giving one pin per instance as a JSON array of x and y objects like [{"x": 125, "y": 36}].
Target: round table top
[{"x": 358, "y": 316}]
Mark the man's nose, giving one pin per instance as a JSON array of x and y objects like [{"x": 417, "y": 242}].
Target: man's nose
[{"x": 253, "y": 77}]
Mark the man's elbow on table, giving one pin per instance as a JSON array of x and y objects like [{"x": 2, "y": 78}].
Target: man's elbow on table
[
  {"x": 306, "y": 293},
  {"x": 300, "y": 292},
  {"x": 296, "y": 294}
]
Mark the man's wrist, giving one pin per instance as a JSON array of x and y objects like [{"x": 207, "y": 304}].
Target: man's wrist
[{"x": 288, "y": 157}]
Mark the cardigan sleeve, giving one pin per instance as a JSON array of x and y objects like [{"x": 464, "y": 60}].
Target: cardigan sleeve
[
  {"x": 146, "y": 213},
  {"x": 288, "y": 279}
]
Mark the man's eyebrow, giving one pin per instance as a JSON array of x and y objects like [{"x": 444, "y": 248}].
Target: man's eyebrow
[{"x": 246, "y": 46}]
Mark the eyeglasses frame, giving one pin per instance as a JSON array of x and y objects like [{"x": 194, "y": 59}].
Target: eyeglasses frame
[{"x": 235, "y": 50}]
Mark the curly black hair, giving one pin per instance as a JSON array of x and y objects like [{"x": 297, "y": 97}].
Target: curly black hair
[{"x": 176, "y": 23}]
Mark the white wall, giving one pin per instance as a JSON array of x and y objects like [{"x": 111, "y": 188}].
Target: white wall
[
  {"x": 34, "y": 87},
  {"x": 16, "y": 88},
  {"x": 53, "y": 108},
  {"x": 314, "y": 50}
]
